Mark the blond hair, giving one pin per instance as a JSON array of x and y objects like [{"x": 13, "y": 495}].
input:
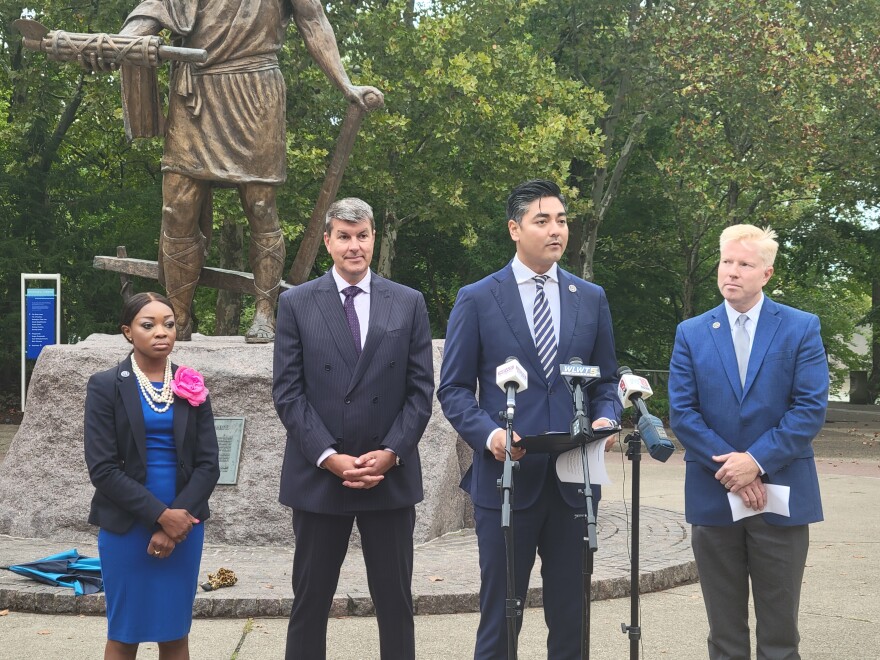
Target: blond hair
[{"x": 763, "y": 239}]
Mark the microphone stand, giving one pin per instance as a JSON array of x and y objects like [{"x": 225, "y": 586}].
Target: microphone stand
[
  {"x": 634, "y": 454},
  {"x": 513, "y": 605},
  {"x": 585, "y": 434}
]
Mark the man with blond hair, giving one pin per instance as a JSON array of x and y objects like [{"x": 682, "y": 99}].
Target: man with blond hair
[{"x": 748, "y": 388}]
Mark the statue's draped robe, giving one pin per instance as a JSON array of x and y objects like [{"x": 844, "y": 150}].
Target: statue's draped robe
[{"x": 226, "y": 116}]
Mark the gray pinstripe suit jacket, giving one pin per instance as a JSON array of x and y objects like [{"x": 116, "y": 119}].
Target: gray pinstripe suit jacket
[{"x": 328, "y": 397}]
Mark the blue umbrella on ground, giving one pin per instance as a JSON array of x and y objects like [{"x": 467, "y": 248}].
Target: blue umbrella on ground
[{"x": 66, "y": 569}]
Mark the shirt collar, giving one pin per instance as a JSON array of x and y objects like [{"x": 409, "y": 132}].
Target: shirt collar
[
  {"x": 341, "y": 284},
  {"x": 753, "y": 313},
  {"x": 523, "y": 273}
]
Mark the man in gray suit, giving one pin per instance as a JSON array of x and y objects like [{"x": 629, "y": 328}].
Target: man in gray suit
[{"x": 353, "y": 381}]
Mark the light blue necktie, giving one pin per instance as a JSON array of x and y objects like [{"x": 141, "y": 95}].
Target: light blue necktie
[
  {"x": 741, "y": 346},
  {"x": 545, "y": 337}
]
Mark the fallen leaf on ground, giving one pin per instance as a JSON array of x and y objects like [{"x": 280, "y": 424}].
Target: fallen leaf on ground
[
  {"x": 4, "y": 612},
  {"x": 435, "y": 578},
  {"x": 44, "y": 632}
]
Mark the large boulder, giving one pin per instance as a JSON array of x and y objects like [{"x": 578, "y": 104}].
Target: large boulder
[{"x": 44, "y": 485}]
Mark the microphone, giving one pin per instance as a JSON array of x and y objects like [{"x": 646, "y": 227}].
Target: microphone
[
  {"x": 632, "y": 391},
  {"x": 511, "y": 378},
  {"x": 577, "y": 375}
]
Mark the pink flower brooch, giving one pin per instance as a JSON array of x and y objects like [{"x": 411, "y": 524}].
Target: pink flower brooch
[{"x": 189, "y": 385}]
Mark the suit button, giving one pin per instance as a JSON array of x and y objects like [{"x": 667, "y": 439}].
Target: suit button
[
  {"x": 375, "y": 399},
  {"x": 326, "y": 367},
  {"x": 347, "y": 400},
  {"x": 182, "y": 464},
  {"x": 392, "y": 364}
]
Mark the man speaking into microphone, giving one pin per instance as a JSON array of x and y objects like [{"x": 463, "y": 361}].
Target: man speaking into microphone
[{"x": 542, "y": 315}]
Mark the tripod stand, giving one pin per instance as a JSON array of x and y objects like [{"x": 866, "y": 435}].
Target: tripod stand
[
  {"x": 557, "y": 443},
  {"x": 633, "y": 443}
]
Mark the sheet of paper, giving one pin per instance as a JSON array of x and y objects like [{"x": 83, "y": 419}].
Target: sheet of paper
[
  {"x": 570, "y": 465},
  {"x": 777, "y": 502}
]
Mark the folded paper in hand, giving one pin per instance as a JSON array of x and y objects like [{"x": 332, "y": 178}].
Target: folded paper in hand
[{"x": 777, "y": 502}]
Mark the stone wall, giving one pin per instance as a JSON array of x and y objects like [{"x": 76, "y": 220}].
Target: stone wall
[{"x": 44, "y": 485}]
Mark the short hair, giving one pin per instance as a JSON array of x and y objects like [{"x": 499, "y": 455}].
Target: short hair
[
  {"x": 137, "y": 302},
  {"x": 764, "y": 240},
  {"x": 351, "y": 210},
  {"x": 527, "y": 192}
]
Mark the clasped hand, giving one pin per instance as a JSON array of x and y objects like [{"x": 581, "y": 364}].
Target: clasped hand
[
  {"x": 740, "y": 475},
  {"x": 176, "y": 524},
  {"x": 361, "y": 472}
]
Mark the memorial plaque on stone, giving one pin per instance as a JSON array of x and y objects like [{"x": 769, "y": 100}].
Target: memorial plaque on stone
[{"x": 230, "y": 431}]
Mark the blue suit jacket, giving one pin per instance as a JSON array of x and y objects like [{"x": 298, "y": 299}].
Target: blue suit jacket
[
  {"x": 775, "y": 416},
  {"x": 486, "y": 326},
  {"x": 326, "y": 396}
]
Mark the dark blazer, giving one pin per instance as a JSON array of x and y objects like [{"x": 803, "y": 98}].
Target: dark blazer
[
  {"x": 326, "y": 396},
  {"x": 487, "y": 325},
  {"x": 115, "y": 450},
  {"x": 775, "y": 416}
]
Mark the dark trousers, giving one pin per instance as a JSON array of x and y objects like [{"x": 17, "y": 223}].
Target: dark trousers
[
  {"x": 774, "y": 558},
  {"x": 550, "y": 527},
  {"x": 321, "y": 546}
]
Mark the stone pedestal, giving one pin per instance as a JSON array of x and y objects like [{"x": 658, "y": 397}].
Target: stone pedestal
[{"x": 44, "y": 485}]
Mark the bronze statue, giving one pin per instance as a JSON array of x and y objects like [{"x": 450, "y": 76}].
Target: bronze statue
[{"x": 226, "y": 126}]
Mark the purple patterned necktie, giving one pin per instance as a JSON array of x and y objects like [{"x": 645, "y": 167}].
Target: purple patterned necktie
[{"x": 351, "y": 315}]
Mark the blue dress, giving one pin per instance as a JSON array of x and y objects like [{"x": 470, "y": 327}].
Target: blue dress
[{"x": 150, "y": 599}]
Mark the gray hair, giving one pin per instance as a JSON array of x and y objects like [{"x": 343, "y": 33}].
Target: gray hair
[{"x": 351, "y": 210}]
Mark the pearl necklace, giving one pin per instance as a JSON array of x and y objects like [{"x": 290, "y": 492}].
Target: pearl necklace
[{"x": 153, "y": 395}]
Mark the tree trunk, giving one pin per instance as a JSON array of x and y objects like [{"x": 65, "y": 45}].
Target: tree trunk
[
  {"x": 230, "y": 248},
  {"x": 689, "y": 285},
  {"x": 388, "y": 244}
]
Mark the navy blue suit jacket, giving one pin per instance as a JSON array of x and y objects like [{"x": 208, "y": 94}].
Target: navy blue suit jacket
[
  {"x": 326, "y": 396},
  {"x": 775, "y": 416},
  {"x": 116, "y": 453},
  {"x": 487, "y": 325}
]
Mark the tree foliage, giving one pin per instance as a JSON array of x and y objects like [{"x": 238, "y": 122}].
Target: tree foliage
[{"x": 663, "y": 121}]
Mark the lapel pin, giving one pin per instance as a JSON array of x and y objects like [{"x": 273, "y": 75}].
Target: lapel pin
[
  {"x": 572, "y": 288},
  {"x": 125, "y": 374},
  {"x": 716, "y": 325}
]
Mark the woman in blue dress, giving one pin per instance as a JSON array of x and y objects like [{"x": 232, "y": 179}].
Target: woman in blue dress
[{"x": 152, "y": 455}]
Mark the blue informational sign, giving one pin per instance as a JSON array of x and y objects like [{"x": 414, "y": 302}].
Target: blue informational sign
[{"x": 40, "y": 321}]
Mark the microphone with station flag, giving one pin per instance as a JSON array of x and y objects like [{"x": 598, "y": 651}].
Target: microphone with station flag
[
  {"x": 632, "y": 391},
  {"x": 577, "y": 375},
  {"x": 511, "y": 378}
]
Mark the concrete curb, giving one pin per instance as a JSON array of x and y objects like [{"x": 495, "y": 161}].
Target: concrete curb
[{"x": 445, "y": 577}]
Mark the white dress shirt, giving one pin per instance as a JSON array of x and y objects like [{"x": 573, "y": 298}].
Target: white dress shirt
[
  {"x": 528, "y": 291},
  {"x": 362, "y": 309},
  {"x": 751, "y": 328},
  {"x": 361, "y": 300}
]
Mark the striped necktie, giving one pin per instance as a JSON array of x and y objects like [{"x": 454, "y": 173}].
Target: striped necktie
[{"x": 545, "y": 337}]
